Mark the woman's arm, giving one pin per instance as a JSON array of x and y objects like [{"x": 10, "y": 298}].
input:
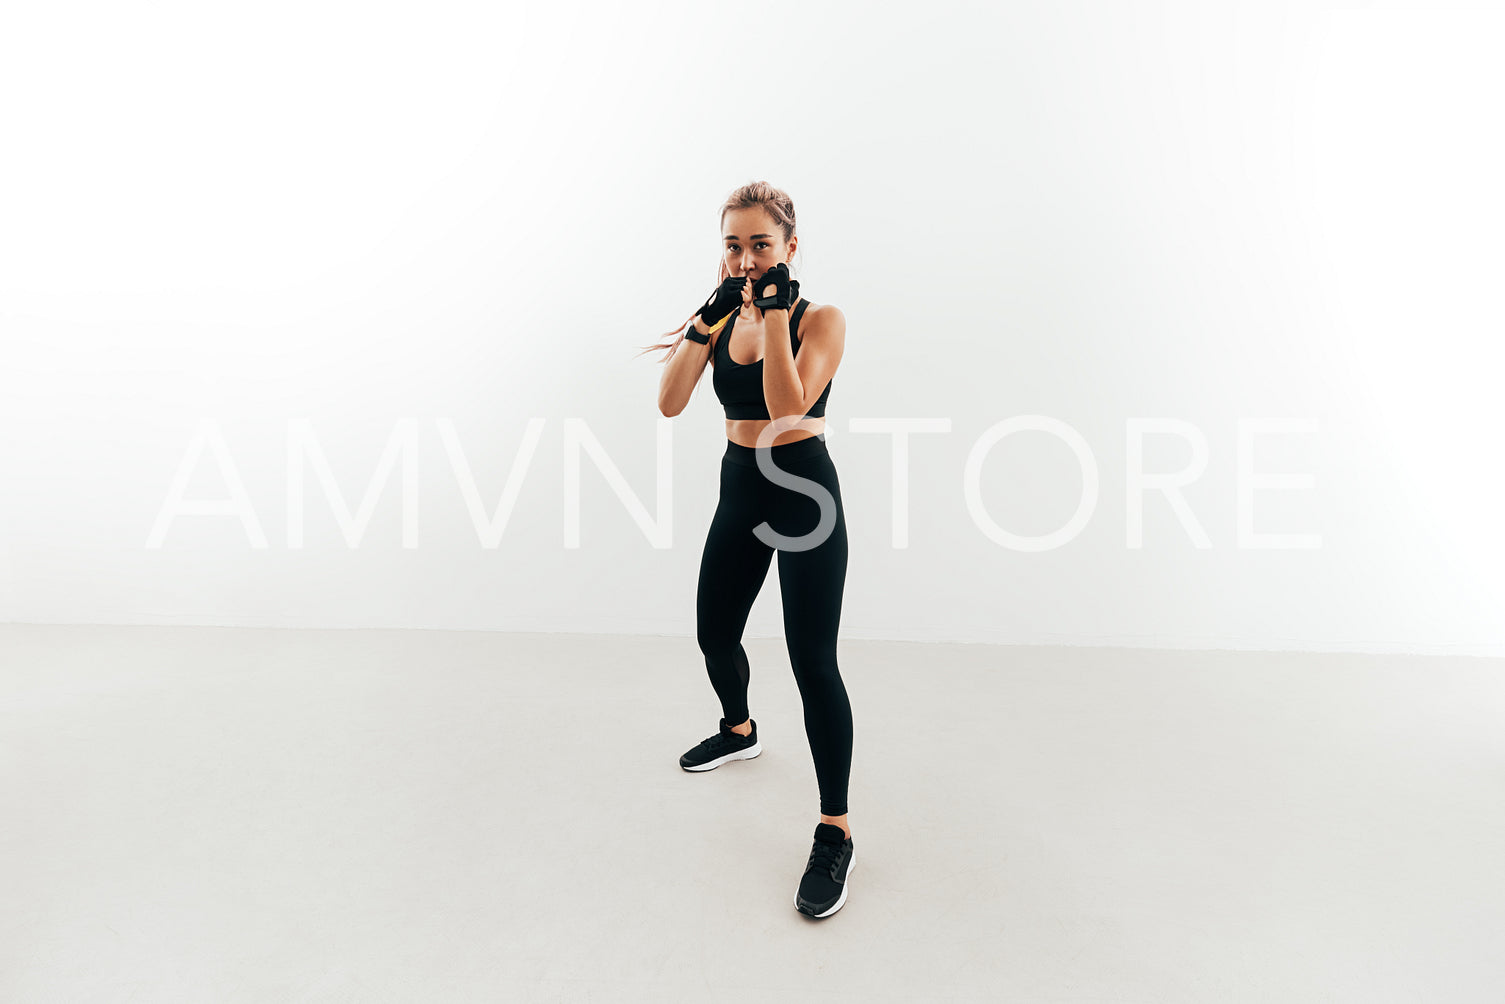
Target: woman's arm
[
  {"x": 682, "y": 372},
  {"x": 792, "y": 383}
]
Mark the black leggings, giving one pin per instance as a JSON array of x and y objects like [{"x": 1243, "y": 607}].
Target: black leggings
[{"x": 812, "y": 573}]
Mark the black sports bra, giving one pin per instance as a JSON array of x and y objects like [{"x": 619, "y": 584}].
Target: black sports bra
[{"x": 739, "y": 386}]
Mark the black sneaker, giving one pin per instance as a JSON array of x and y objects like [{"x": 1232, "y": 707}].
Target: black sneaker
[
  {"x": 824, "y": 887},
  {"x": 723, "y": 746}
]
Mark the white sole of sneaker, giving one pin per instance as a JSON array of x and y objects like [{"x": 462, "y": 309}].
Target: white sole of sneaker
[
  {"x": 851, "y": 867},
  {"x": 746, "y": 754}
]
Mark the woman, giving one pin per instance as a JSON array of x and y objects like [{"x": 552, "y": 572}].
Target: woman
[{"x": 776, "y": 475}]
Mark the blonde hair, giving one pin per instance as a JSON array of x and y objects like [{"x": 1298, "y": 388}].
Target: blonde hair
[{"x": 755, "y": 194}]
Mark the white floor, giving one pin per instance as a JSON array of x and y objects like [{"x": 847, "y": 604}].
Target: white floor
[{"x": 225, "y": 815}]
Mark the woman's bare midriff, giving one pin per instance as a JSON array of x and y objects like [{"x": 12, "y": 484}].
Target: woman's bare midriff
[{"x": 745, "y": 431}]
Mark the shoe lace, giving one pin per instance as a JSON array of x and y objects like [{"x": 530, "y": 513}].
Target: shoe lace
[
  {"x": 823, "y": 856},
  {"x": 721, "y": 741}
]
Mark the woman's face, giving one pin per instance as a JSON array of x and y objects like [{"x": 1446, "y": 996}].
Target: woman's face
[{"x": 753, "y": 243}]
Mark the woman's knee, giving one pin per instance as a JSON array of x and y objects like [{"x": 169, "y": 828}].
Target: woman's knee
[
  {"x": 815, "y": 665},
  {"x": 716, "y": 640}
]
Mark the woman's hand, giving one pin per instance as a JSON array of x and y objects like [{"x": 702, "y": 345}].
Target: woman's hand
[
  {"x": 748, "y": 297},
  {"x": 774, "y": 289},
  {"x": 728, "y": 296}
]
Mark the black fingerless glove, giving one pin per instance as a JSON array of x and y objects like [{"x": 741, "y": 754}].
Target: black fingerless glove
[
  {"x": 727, "y": 298},
  {"x": 784, "y": 289}
]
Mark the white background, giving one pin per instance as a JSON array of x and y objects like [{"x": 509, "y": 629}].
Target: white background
[{"x": 372, "y": 219}]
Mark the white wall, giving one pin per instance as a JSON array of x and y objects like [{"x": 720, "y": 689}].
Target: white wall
[{"x": 419, "y": 219}]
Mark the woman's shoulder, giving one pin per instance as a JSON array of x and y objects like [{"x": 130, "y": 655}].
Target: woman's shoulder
[{"x": 824, "y": 315}]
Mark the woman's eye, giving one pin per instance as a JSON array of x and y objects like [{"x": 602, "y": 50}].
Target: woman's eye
[{"x": 762, "y": 244}]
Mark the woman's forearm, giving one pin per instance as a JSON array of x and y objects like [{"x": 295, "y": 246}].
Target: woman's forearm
[
  {"x": 782, "y": 391},
  {"x": 682, "y": 373}
]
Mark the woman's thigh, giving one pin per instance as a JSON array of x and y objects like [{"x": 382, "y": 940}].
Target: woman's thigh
[
  {"x": 734, "y": 562},
  {"x": 813, "y": 560}
]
